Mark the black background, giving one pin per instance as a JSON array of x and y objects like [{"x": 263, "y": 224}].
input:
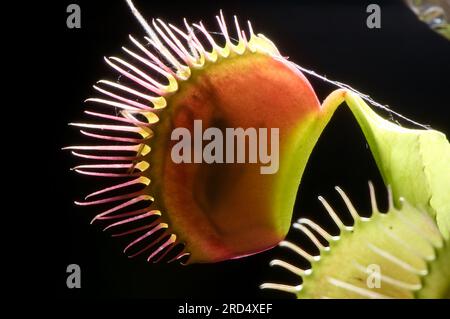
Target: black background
[{"x": 403, "y": 64}]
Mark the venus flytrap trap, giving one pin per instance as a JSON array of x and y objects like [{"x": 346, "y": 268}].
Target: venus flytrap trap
[
  {"x": 410, "y": 243},
  {"x": 202, "y": 211},
  {"x": 405, "y": 244},
  {"x": 209, "y": 208},
  {"x": 415, "y": 163}
]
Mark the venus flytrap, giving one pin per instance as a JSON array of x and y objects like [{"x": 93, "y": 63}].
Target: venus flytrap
[
  {"x": 205, "y": 210},
  {"x": 208, "y": 211},
  {"x": 410, "y": 243}
]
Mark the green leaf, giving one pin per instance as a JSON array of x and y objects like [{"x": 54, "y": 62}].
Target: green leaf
[{"x": 415, "y": 163}]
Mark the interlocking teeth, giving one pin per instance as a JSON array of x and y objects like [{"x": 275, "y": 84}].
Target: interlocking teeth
[
  {"x": 334, "y": 216},
  {"x": 318, "y": 229},
  {"x": 132, "y": 106},
  {"x": 373, "y": 199},
  {"x": 146, "y": 213},
  {"x": 152, "y": 57},
  {"x": 140, "y": 180},
  {"x": 126, "y": 204},
  {"x": 296, "y": 270},
  {"x": 402, "y": 265},
  {"x": 311, "y": 236},
  {"x": 281, "y": 287},
  {"x": 348, "y": 203}
]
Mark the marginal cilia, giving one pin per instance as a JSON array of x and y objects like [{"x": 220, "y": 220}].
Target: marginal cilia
[
  {"x": 404, "y": 247},
  {"x": 151, "y": 73}
]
